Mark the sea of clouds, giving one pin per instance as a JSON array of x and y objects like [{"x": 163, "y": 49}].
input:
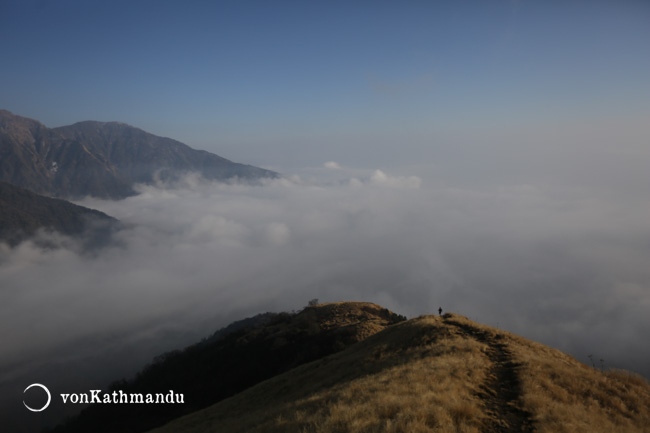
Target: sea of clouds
[{"x": 566, "y": 267}]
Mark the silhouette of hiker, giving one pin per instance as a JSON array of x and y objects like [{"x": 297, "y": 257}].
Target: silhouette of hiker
[{"x": 440, "y": 311}]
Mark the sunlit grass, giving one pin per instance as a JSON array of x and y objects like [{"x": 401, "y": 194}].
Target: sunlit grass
[{"x": 429, "y": 375}]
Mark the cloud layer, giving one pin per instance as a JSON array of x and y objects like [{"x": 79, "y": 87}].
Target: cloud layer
[{"x": 567, "y": 268}]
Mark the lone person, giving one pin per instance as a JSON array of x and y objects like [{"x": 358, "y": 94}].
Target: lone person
[{"x": 440, "y": 311}]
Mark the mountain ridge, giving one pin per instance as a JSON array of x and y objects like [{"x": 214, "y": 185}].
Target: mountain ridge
[
  {"x": 101, "y": 159},
  {"x": 229, "y": 361},
  {"x": 435, "y": 374},
  {"x": 427, "y": 374},
  {"x": 23, "y": 213}
]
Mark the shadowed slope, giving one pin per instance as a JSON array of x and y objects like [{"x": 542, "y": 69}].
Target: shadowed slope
[
  {"x": 23, "y": 213},
  {"x": 234, "y": 359},
  {"x": 435, "y": 374}
]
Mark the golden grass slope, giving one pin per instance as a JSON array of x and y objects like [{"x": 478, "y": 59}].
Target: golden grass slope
[{"x": 435, "y": 374}]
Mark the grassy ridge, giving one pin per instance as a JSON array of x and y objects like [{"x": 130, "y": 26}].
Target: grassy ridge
[
  {"x": 435, "y": 374},
  {"x": 233, "y": 359}
]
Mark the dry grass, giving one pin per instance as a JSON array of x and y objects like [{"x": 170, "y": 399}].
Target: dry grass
[
  {"x": 568, "y": 396},
  {"x": 563, "y": 395},
  {"x": 416, "y": 377},
  {"x": 434, "y": 375}
]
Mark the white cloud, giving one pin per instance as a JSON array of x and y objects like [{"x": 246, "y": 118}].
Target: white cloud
[
  {"x": 380, "y": 178},
  {"x": 332, "y": 165},
  {"x": 567, "y": 267}
]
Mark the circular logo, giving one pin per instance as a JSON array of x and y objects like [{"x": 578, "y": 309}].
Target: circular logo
[{"x": 47, "y": 391}]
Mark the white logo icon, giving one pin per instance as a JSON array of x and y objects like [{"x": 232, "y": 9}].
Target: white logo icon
[{"x": 49, "y": 397}]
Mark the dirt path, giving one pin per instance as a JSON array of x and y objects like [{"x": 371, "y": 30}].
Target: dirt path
[{"x": 501, "y": 391}]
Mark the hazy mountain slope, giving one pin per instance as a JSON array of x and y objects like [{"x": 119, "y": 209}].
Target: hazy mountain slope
[
  {"x": 23, "y": 212},
  {"x": 234, "y": 359},
  {"x": 103, "y": 159},
  {"x": 138, "y": 154},
  {"x": 37, "y": 158},
  {"x": 20, "y": 143},
  {"x": 434, "y": 374}
]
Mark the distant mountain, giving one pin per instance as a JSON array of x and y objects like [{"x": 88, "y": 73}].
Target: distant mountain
[
  {"x": 102, "y": 159},
  {"x": 23, "y": 213},
  {"x": 233, "y": 359},
  {"x": 434, "y": 374}
]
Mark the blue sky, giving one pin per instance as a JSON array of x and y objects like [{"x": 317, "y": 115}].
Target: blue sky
[{"x": 294, "y": 83}]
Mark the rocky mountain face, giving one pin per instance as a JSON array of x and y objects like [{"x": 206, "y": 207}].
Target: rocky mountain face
[
  {"x": 23, "y": 213},
  {"x": 102, "y": 159}
]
